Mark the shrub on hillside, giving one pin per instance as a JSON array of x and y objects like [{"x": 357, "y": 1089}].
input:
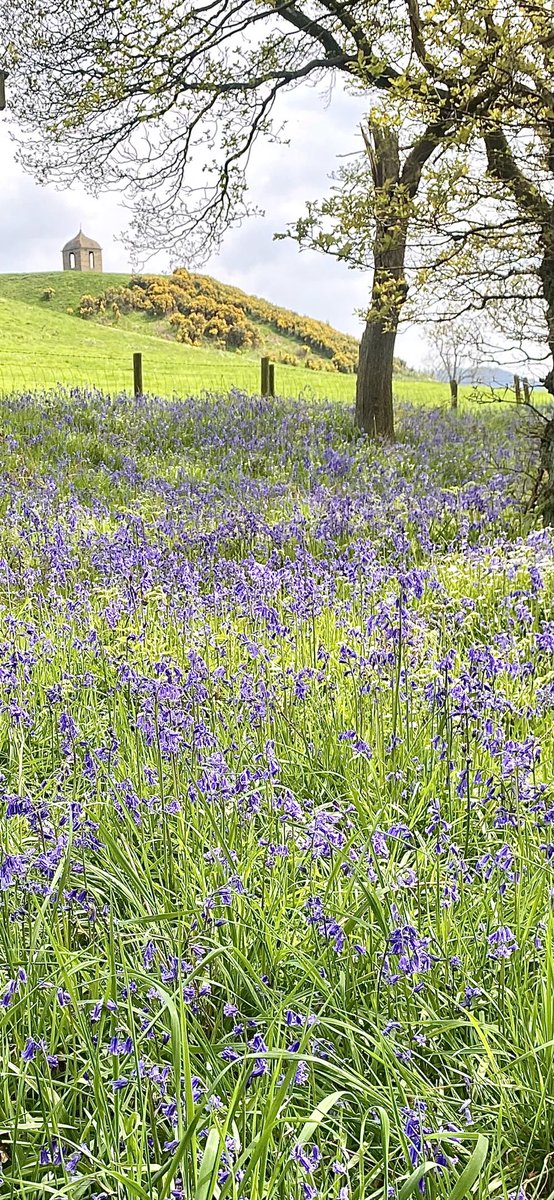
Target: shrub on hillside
[
  {"x": 88, "y": 307},
  {"x": 201, "y": 309}
]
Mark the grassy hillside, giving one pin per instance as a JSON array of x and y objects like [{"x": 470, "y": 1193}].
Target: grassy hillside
[
  {"x": 42, "y": 344},
  {"x": 67, "y": 286}
]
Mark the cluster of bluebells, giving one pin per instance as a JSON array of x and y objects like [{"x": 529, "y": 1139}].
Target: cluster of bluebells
[{"x": 271, "y": 757}]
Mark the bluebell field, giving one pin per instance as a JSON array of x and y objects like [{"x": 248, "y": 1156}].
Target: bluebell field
[{"x": 276, "y": 755}]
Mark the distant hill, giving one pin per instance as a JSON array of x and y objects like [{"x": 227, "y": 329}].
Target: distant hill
[{"x": 498, "y": 377}]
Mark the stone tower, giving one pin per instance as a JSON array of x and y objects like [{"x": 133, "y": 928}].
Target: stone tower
[{"x": 82, "y": 254}]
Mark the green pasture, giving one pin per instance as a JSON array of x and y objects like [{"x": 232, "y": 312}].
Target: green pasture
[{"x": 42, "y": 345}]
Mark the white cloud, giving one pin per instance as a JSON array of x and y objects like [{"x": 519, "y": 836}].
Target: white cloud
[{"x": 35, "y": 222}]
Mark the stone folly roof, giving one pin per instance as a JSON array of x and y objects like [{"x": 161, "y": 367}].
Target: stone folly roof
[{"x": 82, "y": 242}]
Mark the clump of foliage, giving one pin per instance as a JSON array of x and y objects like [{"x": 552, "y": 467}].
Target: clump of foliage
[
  {"x": 48, "y": 293},
  {"x": 195, "y": 315},
  {"x": 200, "y": 309},
  {"x": 90, "y": 306}
]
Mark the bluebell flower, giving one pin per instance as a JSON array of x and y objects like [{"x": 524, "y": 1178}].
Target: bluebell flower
[
  {"x": 502, "y": 943},
  {"x": 470, "y": 994},
  {"x": 293, "y": 1018},
  {"x": 465, "y": 1110},
  {"x": 31, "y": 1048},
  {"x": 9, "y": 993},
  {"x": 415, "y": 1130},
  {"x": 302, "y": 1074},
  {"x": 411, "y": 950},
  {"x": 379, "y": 843},
  {"x": 260, "y": 1068},
  {"x": 307, "y": 1157},
  {"x": 229, "y": 1054}
]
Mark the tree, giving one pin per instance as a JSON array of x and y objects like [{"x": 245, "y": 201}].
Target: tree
[
  {"x": 167, "y": 102},
  {"x": 511, "y": 232},
  {"x": 397, "y": 210},
  {"x": 455, "y": 346},
  {"x": 365, "y": 223},
  {"x": 395, "y": 185}
]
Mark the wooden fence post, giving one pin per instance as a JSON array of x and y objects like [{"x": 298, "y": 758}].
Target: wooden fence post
[
  {"x": 526, "y": 390},
  {"x": 271, "y": 380},
  {"x": 137, "y": 374},
  {"x": 264, "y": 387},
  {"x": 517, "y": 388}
]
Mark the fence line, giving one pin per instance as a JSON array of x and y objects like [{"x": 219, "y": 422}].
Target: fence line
[
  {"x": 144, "y": 373},
  {"x": 29, "y": 372}
]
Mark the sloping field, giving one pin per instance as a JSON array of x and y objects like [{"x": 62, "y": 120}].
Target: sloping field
[{"x": 42, "y": 345}]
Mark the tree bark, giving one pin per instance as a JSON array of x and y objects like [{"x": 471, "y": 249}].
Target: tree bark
[
  {"x": 534, "y": 206},
  {"x": 374, "y": 403},
  {"x": 547, "y": 467},
  {"x": 395, "y": 189},
  {"x": 453, "y": 393},
  {"x": 546, "y": 272}
]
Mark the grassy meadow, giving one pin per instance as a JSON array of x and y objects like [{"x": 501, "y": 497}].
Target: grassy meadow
[
  {"x": 277, "y": 803},
  {"x": 42, "y": 345}
]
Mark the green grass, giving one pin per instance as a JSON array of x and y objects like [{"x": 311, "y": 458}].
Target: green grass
[
  {"x": 68, "y": 287},
  {"x": 42, "y": 346}
]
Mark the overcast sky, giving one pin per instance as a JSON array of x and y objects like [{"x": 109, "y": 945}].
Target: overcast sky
[{"x": 36, "y": 221}]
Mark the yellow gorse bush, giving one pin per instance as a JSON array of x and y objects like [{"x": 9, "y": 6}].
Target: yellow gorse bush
[{"x": 200, "y": 309}]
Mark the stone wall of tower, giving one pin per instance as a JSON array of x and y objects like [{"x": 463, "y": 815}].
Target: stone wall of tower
[{"x": 83, "y": 260}]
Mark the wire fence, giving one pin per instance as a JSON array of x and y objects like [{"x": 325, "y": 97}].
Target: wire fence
[
  {"x": 23, "y": 369},
  {"x": 28, "y": 371}
]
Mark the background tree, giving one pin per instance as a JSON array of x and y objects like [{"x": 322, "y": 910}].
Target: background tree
[
  {"x": 395, "y": 203},
  {"x": 395, "y": 210},
  {"x": 365, "y": 222},
  {"x": 503, "y": 254},
  {"x": 455, "y": 353}
]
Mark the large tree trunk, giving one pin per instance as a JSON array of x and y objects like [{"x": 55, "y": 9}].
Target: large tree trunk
[
  {"x": 547, "y": 466},
  {"x": 395, "y": 189},
  {"x": 546, "y": 272},
  {"x": 453, "y": 393},
  {"x": 374, "y": 403},
  {"x": 533, "y": 206}
]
